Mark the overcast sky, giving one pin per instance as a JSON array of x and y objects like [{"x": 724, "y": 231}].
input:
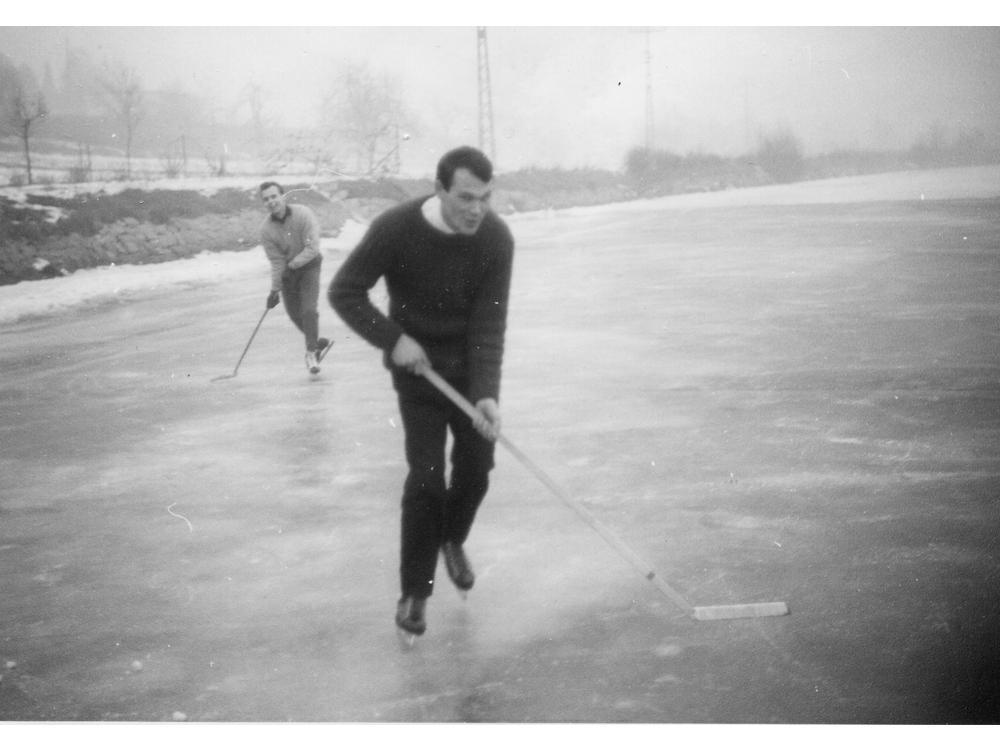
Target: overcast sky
[{"x": 576, "y": 96}]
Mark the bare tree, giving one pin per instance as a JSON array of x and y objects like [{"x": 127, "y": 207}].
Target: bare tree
[
  {"x": 26, "y": 105},
  {"x": 173, "y": 110},
  {"x": 780, "y": 155},
  {"x": 367, "y": 111},
  {"x": 125, "y": 101},
  {"x": 8, "y": 75},
  {"x": 25, "y": 108},
  {"x": 255, "y": 96},
  {"x": 174, "y": 114},
  {"x": 216, "y": 160},
  {"x": 79, "y": 92}
]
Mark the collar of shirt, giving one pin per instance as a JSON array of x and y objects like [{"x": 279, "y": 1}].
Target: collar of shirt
[
  {"x": 288, "y": 212},
  {"x": 432, "y": 212}
]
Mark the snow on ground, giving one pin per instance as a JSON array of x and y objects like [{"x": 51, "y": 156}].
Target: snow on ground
[
  {"x": 51, "y": 296},
  {"x": 204, "y": 185},
  {"x": 916, "y": 185},
  {"x": 96, "y": 285}
]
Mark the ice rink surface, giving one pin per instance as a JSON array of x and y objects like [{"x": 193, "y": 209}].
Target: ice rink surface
[{"x": 782, "y": 394}]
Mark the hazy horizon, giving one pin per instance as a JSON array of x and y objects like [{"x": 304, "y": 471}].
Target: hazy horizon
[{"x": 576, "y": 96}]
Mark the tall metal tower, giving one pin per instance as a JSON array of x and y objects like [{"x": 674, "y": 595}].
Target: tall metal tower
[
  {"x": 648, "y": 63},
  {"x": 650, "y": 127},
  {"x": 487, "y": 142}
]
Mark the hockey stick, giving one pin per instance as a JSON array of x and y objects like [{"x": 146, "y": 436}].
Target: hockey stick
[
  {"x": 721, "y": 612},
  {"x": 226, "y": 377}
]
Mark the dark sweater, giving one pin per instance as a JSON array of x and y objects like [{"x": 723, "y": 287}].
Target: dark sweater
[{"x": 447, "y": 291}]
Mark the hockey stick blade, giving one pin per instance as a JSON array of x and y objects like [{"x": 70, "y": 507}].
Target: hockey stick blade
[{"x": 245, "y": 350}]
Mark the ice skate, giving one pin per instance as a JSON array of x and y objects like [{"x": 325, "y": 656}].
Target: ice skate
[
  {"x": 410, "y": 618},
  {"x": 312, "y": 363},
  {"x": 457, "y": 565},
  {"x": 322, "y": 347}
]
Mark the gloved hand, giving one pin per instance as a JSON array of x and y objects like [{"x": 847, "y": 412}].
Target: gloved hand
[{"x": 273, "y": 299}]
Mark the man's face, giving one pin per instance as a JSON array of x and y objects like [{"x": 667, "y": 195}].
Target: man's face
[
  {"x": 464, "y": 205},
  {"x": 274, "y": 201}
]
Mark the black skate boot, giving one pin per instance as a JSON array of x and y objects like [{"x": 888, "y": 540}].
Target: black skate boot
[
  {"x": 322, "y": 347},
  {"x": 410, "y": 615},
  {"x": 457, "y": 564}
]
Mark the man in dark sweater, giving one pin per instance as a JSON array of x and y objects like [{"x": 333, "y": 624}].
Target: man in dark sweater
[{"x": 446, "y": 260}]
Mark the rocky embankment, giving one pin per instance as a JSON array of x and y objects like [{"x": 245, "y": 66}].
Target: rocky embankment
[
  {"x": 43, "y": 236},
  {"x": 51, "y": 230},
  {"x": 125, "y": 241}
]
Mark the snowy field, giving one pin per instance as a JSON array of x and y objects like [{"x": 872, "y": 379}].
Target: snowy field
[{"x": 788, "y": 393}]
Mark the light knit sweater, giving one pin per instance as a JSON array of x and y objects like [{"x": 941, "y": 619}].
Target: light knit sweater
[{"x": 290, "y": 243}]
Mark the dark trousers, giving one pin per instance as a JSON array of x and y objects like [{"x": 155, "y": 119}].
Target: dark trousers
[
  {"x": 300, "y": 290},
  {"x": 433, "y": 512}
]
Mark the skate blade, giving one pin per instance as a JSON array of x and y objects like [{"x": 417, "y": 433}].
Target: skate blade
[
  {"x": 406, "y": 639},
  {"x": 323, "y": 353}
]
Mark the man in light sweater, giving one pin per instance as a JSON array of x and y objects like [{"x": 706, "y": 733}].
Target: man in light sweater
[
  {"x": 446, "y": 260},
  {"x": 290, "y": 235}
]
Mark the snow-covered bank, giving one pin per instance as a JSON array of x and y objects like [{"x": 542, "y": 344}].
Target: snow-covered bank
[
  {"x": 52, "y": 296},
  {"x": 204, "y": 185},
  {"x": 928, "y": 184},
  {"x": 97, "y": 285}
]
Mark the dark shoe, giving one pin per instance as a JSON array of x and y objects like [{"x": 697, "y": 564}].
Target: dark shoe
[
  {"x": 459, "y": 570},
  {"x": 410, "y": 615}
]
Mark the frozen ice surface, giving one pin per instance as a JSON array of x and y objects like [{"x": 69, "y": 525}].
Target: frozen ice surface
[{"x": 792, "y": 401}]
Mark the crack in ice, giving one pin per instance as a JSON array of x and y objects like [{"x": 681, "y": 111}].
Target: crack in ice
[{"x": 190, "y": 527}]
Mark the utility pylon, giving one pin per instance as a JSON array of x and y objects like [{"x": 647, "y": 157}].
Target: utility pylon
[
  {"x": 487, "y": 142},
  {"x": 649, "y": 94},
  {"x": 648, "y": 62}
]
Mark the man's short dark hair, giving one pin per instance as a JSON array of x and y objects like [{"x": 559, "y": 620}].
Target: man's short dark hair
[
  {"x": 464, "y": 156},
  {"x": 270, "y": 183}
]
